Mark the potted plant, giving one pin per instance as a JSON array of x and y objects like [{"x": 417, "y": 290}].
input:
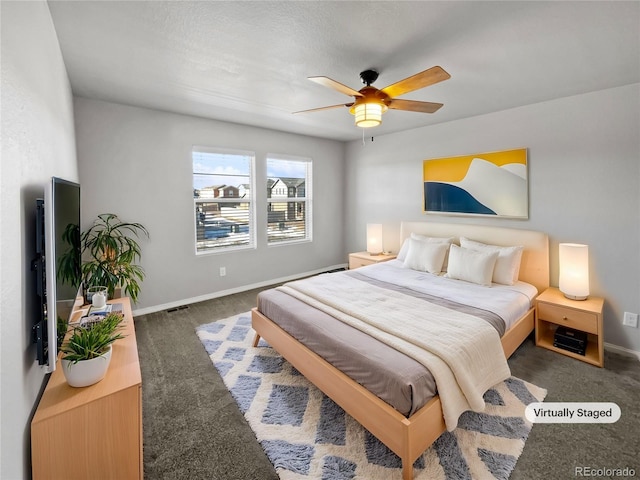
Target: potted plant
[
  {"x": 112, "y": 251},
  {"x": 87, "y": 352}
]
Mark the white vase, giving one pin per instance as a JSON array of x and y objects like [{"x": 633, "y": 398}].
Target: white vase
[{"x": 86, "y": 372}]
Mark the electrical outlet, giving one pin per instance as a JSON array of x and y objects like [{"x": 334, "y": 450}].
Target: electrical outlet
[
  {"x": 630, "y": 319},
  {"x": 223, "y": 271}
]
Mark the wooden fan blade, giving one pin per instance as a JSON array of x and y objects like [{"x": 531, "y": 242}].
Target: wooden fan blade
[
  {"x": 414, "y": 106},
  {"x": 325, "y": 108},
  {"x": 328, "y": 82},
  {"x": 419, "y": 80}
]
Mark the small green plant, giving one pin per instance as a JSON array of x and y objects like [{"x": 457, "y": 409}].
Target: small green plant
[{"x": 86, "y": 343}]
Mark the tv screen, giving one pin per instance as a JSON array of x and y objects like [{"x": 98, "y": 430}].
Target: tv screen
[{"x": 63, "y": 257}]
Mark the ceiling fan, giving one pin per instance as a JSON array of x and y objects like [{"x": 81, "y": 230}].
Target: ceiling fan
[{"x": 370, "y": 103}]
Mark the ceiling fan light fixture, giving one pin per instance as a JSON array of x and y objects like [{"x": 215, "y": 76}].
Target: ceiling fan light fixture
[
  {"x": 369, "y": 115},
  {"x": 370, "y": 102}
]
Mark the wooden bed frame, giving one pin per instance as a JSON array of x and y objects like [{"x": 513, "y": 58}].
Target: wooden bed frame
[{"x": 410, "y": 437}]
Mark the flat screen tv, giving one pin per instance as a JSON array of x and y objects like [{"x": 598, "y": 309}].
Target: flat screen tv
[{"x": 62, "y": 254}]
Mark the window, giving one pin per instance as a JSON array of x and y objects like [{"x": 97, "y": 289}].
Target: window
[
  {"x": 288, "y": 199},
  {"x": 222, "y": 200}
]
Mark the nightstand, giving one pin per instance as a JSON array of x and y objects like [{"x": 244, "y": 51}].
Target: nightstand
[
  {"x": 553, "y": 309},
  {"x": 362, "y": 259}
]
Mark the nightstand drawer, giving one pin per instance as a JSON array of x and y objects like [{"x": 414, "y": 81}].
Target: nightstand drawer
[
  {"x": 358, "y": 262},
  {"x": 587, "y": 322}
]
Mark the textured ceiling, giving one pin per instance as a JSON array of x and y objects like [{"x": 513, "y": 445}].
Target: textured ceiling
[{"x": 248, "y": 62}]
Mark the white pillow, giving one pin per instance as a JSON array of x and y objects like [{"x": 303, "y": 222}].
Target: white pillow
[
  {"x": 424, "y": 238},
  {"x": 405, "y": 246},
  {"x": 507, "y": 266},
  {"x": 425, "y": 257},
  {"x": 471, "y": 265}
]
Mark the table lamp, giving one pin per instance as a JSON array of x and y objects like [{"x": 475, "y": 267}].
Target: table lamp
[{"x": 574, "y": 271}]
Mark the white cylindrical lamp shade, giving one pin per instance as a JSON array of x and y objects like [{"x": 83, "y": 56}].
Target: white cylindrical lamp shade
[
  {"x": 574, "y": 270},
  {"x": 374, "y": 238},
  {"x": 368, "y": 114}
]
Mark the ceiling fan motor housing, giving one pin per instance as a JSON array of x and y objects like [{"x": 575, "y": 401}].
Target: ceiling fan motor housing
[
  {"x": 368, "y": 77},
  {"x": 371, "y": 95}
]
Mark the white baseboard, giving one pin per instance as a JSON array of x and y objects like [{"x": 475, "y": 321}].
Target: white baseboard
[
  {"x": 222, "y": 293},
  {"x": 621, "y": 350}
]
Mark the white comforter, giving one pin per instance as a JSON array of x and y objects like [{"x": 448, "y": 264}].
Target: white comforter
[
  {"x": 510, "y": 302},
  {"x": 463, "y": 352}
]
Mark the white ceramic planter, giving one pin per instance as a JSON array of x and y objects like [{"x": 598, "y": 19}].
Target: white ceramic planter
[{"x": 86, "y": 372}]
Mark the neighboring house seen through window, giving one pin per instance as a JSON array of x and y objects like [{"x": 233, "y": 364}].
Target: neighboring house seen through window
[
  {"x": 223, "y": 206},
  {"x": 288, "y": 199}
]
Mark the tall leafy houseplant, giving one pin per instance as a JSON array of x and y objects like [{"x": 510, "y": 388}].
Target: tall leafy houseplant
[{"x": 113, "y": 250}]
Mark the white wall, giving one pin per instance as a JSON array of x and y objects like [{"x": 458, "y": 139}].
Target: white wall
[
  {"x": 584, "y": 185},
  {"x": 136, "y": 163},
  {"x": 37, "y": 143}
]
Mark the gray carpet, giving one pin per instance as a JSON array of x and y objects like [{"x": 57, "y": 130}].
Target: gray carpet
[{"x": 194, "y": 429}]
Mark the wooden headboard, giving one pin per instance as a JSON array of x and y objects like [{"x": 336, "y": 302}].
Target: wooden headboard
[{"x": 534, "y": 267}]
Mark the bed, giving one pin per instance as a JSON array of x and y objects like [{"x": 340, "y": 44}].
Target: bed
[{"x": 408, "y": 430}]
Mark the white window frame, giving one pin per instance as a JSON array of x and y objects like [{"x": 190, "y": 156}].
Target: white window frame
[
  {"x": 216, "y": 250},
  {"x": 307, "y": 199}
]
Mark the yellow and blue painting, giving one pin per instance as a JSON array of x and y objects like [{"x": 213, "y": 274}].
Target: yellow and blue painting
[{"x": 493, "y": 184}]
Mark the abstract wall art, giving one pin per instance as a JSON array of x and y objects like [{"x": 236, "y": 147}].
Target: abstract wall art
[{"x": 489, "y": 184}]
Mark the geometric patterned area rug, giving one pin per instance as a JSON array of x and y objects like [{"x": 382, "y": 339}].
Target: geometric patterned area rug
[{"x": 307, "y": 436}]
